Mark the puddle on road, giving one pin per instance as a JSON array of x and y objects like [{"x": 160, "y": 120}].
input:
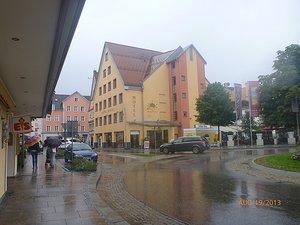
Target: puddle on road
[{"x": 198, "y": 190}]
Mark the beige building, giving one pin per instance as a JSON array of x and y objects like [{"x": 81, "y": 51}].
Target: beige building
[{"x": 143, "y": 94}]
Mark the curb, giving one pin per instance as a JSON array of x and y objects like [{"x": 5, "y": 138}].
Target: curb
[{"x": 272, "y": 170}]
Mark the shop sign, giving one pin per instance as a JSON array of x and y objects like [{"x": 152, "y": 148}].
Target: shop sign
[{"x": 22, "y": 124}]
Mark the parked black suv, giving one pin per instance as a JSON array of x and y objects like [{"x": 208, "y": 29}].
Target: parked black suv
[{"x": 196, "y": 144}]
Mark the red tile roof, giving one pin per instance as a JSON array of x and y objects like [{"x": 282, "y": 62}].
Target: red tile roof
[{"x": 133, "y": 63}]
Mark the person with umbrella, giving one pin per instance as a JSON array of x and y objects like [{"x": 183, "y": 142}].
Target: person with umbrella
[
  {"x": 33, "y": 147},
  {"x": 52, "y": 144}
]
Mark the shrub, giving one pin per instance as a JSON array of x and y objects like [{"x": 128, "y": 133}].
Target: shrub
[
  {"x": 60, "y": 153},
  {"x": 83, "y": 165}
]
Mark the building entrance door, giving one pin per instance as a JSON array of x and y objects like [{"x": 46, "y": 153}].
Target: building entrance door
[{"x": 134, "y": 139}]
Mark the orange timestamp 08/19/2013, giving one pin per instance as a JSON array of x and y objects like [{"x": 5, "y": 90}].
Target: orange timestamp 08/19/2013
[{"x": 260, "y": 202}]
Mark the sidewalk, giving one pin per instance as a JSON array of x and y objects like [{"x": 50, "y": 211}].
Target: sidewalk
[{"x": 48, "y": 196}]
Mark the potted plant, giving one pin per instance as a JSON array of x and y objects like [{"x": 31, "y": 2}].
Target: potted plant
[
  {"x": 230, "y": 135},
  {"x": 258, "y": 133},
  {"x": 291, "y": 132}
]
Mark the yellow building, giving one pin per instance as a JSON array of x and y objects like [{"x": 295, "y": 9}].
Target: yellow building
[{"x": 144, "y": 94}]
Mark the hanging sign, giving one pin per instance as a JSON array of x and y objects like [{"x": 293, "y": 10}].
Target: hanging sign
[{"x": 22, "y": 124}]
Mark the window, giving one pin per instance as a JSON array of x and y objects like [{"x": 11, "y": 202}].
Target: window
[
  {"x": 114, "y": 83},
  {"x": 184, "y": 114},
  {"x": 120, "y": 98},
  {"x": 109, "y": 119},
  {"x": 48, "y": 118},
  {"x": 82, "y": 118},
  {"x": 56, "y": 118},
  {"x": 104, "y": 118},
  {"x": 106, "y": 56},
  {"x": 115, "y": 117},
  {"x": 100, "y": 91},
  {"x": 82, "y": 109},
  {"x": 96, "y": 122},
  {"x": 183, "y": 95},
  {"x": 82, "y": 128},
  {"x": 109, "y": 102},
  {"x": 175, "y": 97},
  {"x": 75, "y": 108},
  {"x": 109, "y": 86},
  {"x": 68, "y": 108},
  {"x": 109, "y": 70},
  {"x": 48, "y": 128},
  {"x": 115, "y": 100},
  {"x": 104, "y": 104},
  {"x": 68, "y": 118},
  {"x": 183, "y": 78},
  {"x": 121, "y": 116},
  {"x": 104, "y": 88},
  {"x": 75, "y": 118},
  {"x": 104, "y": 73},
  {"x": 76, "y": 99},
  {"x": 100, "y": 121},
  {"x": 56, "y": 128},
  {"x": 201, "y": 86},
  {"x": 96, "y": 107},
  {"x": 100, "y": 106}
]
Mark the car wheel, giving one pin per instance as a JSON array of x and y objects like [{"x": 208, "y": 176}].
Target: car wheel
[
  {"x": 166, "y": 150},
  {"x": 196, "y": 150}
]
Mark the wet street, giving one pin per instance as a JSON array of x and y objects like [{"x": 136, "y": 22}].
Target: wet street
[{"x": 200, "y": 189}]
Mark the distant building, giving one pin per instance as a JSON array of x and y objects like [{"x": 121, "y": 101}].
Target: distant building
[
  {"x": 144, "y": 94},
  {"x": 69, "y": 116},
  {"x": 248, "y": 96}
]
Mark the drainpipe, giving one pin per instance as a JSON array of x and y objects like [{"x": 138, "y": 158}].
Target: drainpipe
[{"x": 143, "y": 126}]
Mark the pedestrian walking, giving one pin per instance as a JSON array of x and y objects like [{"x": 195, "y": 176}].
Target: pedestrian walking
[
  {"x": 53, "y": 154},
  {"x": 48, "y": 156},
  {"x": 34, "y": 151},
  {"x": 52, "y": 144}
]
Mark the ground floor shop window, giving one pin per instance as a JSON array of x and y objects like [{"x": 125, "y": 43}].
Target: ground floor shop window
[{"x": 120, "y": 139}]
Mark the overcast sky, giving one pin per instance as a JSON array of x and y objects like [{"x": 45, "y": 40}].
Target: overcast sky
[{"x": 239, "y": 39}]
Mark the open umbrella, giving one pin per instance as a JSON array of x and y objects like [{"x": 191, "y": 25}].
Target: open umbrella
[
  {"x": 32, "y": 140},
  {"x": 52, "y": 142}
]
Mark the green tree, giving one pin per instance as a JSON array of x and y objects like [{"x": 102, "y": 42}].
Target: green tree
[
  {"x": 278, "y": 89},
  {"x": 214, "y": 107}
]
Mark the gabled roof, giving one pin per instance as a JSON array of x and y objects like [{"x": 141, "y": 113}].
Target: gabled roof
[
  {"x": 58, "y": 99},
  {"x": 135, "y": 64},
  {"x": 131, "y": 62}
]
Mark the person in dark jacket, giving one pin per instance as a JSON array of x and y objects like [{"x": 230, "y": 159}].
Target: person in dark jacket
[{"x": 34, "y": 151}]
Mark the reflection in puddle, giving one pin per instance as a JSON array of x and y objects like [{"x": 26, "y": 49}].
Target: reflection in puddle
[{"x": 198, "y": 190}]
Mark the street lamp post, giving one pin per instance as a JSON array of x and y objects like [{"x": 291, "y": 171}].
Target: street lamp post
[{"x": 295, "y": 108}]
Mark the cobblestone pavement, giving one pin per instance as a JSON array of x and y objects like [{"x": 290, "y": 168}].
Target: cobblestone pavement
[
  {"x": 247, "y": 166},
  {"x": 54, "y": 196},
  {"x": 112, "y": 190}
]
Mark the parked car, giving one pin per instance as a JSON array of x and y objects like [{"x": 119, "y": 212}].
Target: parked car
[
  {"x": 65, "y": 143},
  {"x": 196, "y": 144},
  {"x": 80, "y": 151}
]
